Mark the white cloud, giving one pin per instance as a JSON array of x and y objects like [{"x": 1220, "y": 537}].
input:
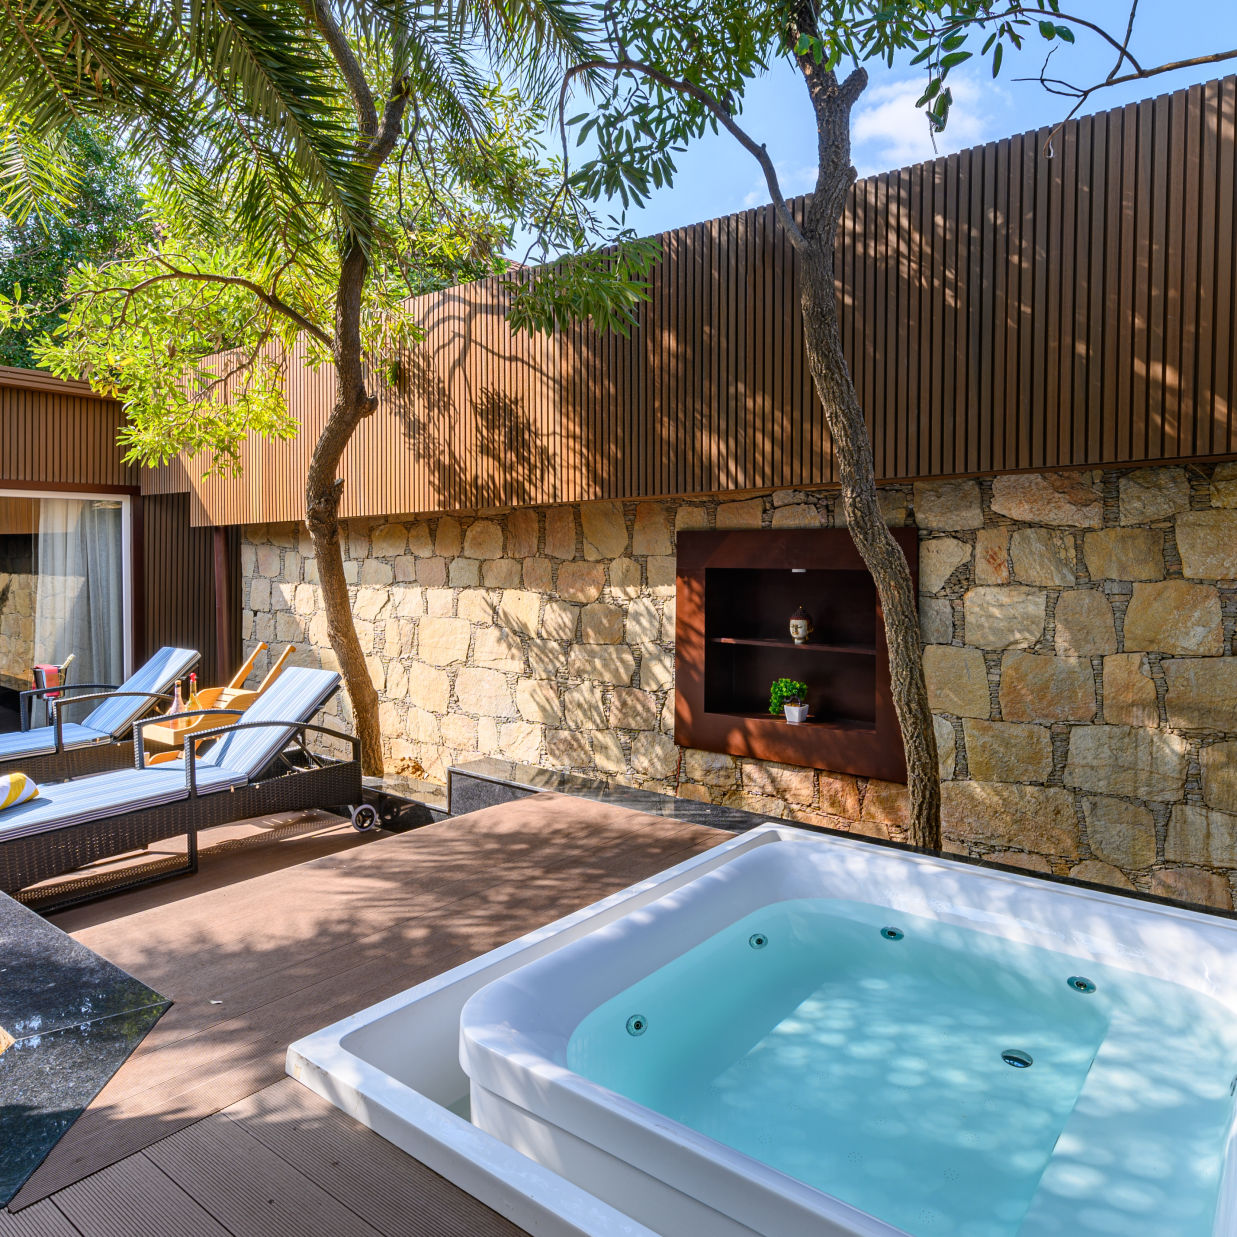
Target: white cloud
[{"x": 889, "y": 131}]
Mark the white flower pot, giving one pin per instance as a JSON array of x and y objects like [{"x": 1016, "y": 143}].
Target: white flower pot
[{"x": 795, "y": 713}]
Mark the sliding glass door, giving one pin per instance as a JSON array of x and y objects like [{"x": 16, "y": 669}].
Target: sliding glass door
[{"x": 65, "y": 586}]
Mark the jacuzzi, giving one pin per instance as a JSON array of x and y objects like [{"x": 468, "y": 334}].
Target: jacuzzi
[{"x": 799, "y": 1034}]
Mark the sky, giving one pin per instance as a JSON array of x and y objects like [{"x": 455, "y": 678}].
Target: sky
[{"x": 717, "y": 177}]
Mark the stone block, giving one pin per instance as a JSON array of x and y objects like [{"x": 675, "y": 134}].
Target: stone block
[
  {"x": 1064, "y": 500},
  {"x": 1042, "y": 556},
  {"x": 839, "y": 795},
  {"x": 568, "y": 749},
  {"x": 520, "y": 610},
  {"x": 948, "y": 506},
  {"x": 1127, "y": 760},
  {"x": 546, "y": 658},
  {"x": 560, "y": 532},
  {"x": 669, "y": 614},
  {"x": 306, "y": 600},
  {"x": 1084, "y": 623},
  {"x": 420, "y": 542},
  {"x": 1035, "y": 818},
  {"x": 992, "y": 557},
  {"x": 691, "y": 518},
  {"x": 1043, "y": 688},
  {"x": 439, "y": 602},
  {"x": 786, "y": 782},
  {"x": 428, "y": 688},
  {"x": 711, "y": 768},
  {"x": 601, "y": 623},
  {"x": 283, "y": 595},
  {"x": 537, "y": 700},
  {"x": 887, "y": 803},
  {"x": 659, "y": 570},
  {"x": 748, "y": 513},
  {"x": 650, "y": 533},
  {"x": 370, "y": 603},
  {"x": 946, "y": 746},
  {"x": 643, "y": 621},
  {"x": 388, "y": 540},
  {"x": 957, "y": 680},
  {"x": 797, "y": 515},
  {"x": 352, "y": 571},
  {"x": 432, "y": 572},
  {"x": 1201, "y": 835},
  {"x": 497, "y": 649},
  {"x": 631, "y": 708},
  {"x": 603, "y": 663},
  {"x": 1202, "y": 693},
  {"x": 259, "y": 593},
  {"x": 1129, "y": 691},
  {"x": 1207, "y": 543},
  {"x": 397, "y": 679},
  {"x": 291, "y": 630},
  {"x": 654, "y": 755},
  {"x": 1098, "y": 873},
  {"x": 1020, "y": 859},
  {"x": 443, "y": 641},
  {"x": 1175, "y": 616},
  {"x": 584, "y": 707},
  {"x": 269, "y": 560},
  {"x": 1004, "y": 617},
  {"x": 464, "y": 573},
  {"x": 1224, "y": 486},
  {"x": 448, "y": 537},
  {"x": 656, "y": 667},
  {"x": 939, "y": 558},
  {"x": 625, "y": 577},
  {"x": 520, "y": 741},
  {"x": 936, "y": 620},
  {"x": 376, "y": 573},
  {"x": 605, "y": 530},
  {"x": 1124, "y": 554},
  {"x": 1120, "y": 833},
  {"x": 484, "y": 692},
  {"x": 484, "y": 539},
  {"x": 608, "y": 753},
  {"x": 501, "y": 573},
  {"x": 405, "y": 568},
  {"x": 522, "y": 533},
  {"x": 581, "y": 581},
  {"x": 1149, "y": 494},
  {"x": 459, "y": 732},
  {"x": 538, "y": 574},
  {"x": 476, "y": 605},
  {"x": 1193, "y": 885},
  {"x": 1218, "y": 762},
  {"x": 560, "y": 619},
  {"x": 1007, "y": 751}
]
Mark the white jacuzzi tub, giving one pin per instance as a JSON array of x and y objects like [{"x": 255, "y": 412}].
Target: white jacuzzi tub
[{"x": 577, "y": 1041}]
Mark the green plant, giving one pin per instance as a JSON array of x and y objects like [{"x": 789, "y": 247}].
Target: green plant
[{"x": 786, "y": 691}]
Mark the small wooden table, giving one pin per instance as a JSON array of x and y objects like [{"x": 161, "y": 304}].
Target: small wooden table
[{"x": 233, "y": 700}]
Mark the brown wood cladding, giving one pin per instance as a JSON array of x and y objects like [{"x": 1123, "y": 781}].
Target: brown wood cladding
[{"x": 1002, "y": 310}]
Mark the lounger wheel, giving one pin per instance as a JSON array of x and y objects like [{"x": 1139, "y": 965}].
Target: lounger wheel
[{"x": 364, "y": 817}]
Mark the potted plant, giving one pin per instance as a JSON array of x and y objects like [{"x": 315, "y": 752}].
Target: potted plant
[{"x": 789, "y": 696}]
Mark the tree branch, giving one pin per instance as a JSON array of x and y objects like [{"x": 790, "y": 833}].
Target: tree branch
[
  {"x": 717, "y": 108},
  {"x": 349, "y": 67}
]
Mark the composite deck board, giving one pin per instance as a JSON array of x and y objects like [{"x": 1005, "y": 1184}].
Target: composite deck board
[
  {"x": 135, "y": 1199},
  {"x": 366, "y": 1173},
  {"x": 289, "y": 951},
  {"x": 44, "y": 1219}
]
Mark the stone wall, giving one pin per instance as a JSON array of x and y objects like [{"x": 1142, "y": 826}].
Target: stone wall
[
  {"x": 17, "y": 588},
  {"x": 1080, "y": 658}
]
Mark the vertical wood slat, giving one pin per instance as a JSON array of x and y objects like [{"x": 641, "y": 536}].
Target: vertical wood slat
[{"x": 1001, "y": 309}]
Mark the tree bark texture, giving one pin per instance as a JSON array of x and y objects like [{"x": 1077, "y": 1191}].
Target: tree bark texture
[
  {"x": 832, "y": 103},
  {"x": 323, "y": 490}
]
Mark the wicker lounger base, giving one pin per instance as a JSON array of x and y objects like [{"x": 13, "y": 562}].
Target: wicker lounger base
[{"x": 29, "y": 860}]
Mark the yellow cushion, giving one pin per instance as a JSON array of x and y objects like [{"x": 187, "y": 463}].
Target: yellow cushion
[{"x": 15, "y": 788}]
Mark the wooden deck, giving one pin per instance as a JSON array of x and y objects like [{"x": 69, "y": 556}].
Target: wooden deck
[{"x": 200, "y": 1132}]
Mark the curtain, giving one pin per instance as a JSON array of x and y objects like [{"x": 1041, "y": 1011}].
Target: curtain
[{"x": 79, "y": 602}]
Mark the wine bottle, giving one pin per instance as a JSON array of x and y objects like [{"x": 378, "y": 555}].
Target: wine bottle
[
  {"x": 194, "y": 702},
  {"x": 178, "y": 703}
]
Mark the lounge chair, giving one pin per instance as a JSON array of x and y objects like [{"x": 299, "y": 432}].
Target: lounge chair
[
  {"x": 255, "y": 766},
  {"x": 99, "y": 740}
]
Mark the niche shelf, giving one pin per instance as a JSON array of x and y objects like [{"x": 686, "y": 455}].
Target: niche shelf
[{"x": 736, "y": 593}]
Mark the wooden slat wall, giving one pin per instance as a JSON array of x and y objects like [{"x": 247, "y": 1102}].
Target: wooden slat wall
[{"x": 1002, "y": 310}]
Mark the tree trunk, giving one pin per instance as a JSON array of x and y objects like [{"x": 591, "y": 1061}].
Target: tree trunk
[
  {"x": 323, "y": 490},
  {"x": 853, "y": 450}
]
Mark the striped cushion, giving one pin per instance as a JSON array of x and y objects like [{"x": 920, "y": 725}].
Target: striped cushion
[
  {"x": 296, "y": 695},
  {"x": 159, "y": 674},
  {"x": 16, "y": 788},
  {"x": 104, "y": 795},
  {"x": 22, "y": 744}
]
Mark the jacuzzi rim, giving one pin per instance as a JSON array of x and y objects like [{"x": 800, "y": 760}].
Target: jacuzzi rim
[{"x": 503, "y": 1178}]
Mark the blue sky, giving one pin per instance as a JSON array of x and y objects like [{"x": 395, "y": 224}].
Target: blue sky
[{"x": 716, "y": 176}]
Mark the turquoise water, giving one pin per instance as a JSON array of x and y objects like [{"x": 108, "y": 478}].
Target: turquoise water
[{"x": 873, "y": 1070}]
